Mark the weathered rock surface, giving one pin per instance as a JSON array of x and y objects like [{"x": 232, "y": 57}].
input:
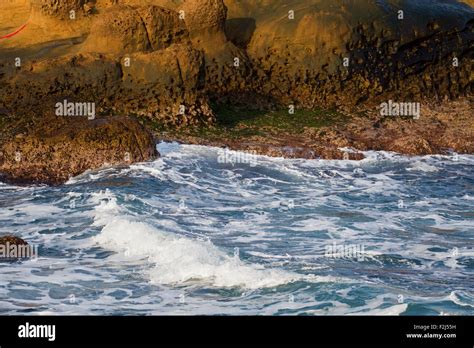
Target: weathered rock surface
[
  {"x": 301, "y": 60},
  {"x": 165, "y": 85},
  {"x": 308, "y": 53},
  {"x": 119, "y": 30},
  {"x": 59, "y": 148},
  {"x": 60, "y": 9},
  {"x": 163, "y": 26},
  {"x": 41, "y": 84},
  {"x": 126, "y": 29},
  {"x": 168, "y": 83},
  {"x": 205, "y": 20}
]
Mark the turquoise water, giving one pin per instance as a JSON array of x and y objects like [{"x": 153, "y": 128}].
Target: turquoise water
[{"x": 202, "y": 232}]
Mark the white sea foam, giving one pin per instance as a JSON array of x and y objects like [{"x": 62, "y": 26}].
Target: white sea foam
[
  {"x": 281, "y": 214},
  {"x": 422, "y": 167},
  {"x": 461, "y": 298},
  {"x": 176, "y": 259},
  {"x": 393, "y": 310}
]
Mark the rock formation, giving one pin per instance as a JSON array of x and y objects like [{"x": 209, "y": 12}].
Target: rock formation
[
  {"x": 299, "y": 48},
  {"x": 173, "y": 61},
  {"x": 309, "y": 53}
]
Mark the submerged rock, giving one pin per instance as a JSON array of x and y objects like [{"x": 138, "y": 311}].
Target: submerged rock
[
  {"x": 14, "y": 248},
  {"x": 12, "y": 240}
]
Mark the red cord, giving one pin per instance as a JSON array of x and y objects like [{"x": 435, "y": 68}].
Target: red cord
[{"x": 14, "y": 33}]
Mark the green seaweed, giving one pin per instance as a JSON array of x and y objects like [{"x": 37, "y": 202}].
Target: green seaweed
[
  {"x": 281, "y": 119},
  {"x": 238, "y": 124}
]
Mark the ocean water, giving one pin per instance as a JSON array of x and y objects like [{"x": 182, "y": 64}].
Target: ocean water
[{"x": 196, "y": 232}]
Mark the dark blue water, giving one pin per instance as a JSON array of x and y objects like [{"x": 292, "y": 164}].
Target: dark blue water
[{"x": 200, "y": 231}]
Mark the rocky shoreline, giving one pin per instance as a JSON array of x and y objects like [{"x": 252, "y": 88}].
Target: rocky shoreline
[
  {"x": 446, "y": 128},
  {"x": 282, "y": 78}
]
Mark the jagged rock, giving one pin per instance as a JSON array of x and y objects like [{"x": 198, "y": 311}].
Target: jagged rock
[{"x": 301, "y": 60}]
